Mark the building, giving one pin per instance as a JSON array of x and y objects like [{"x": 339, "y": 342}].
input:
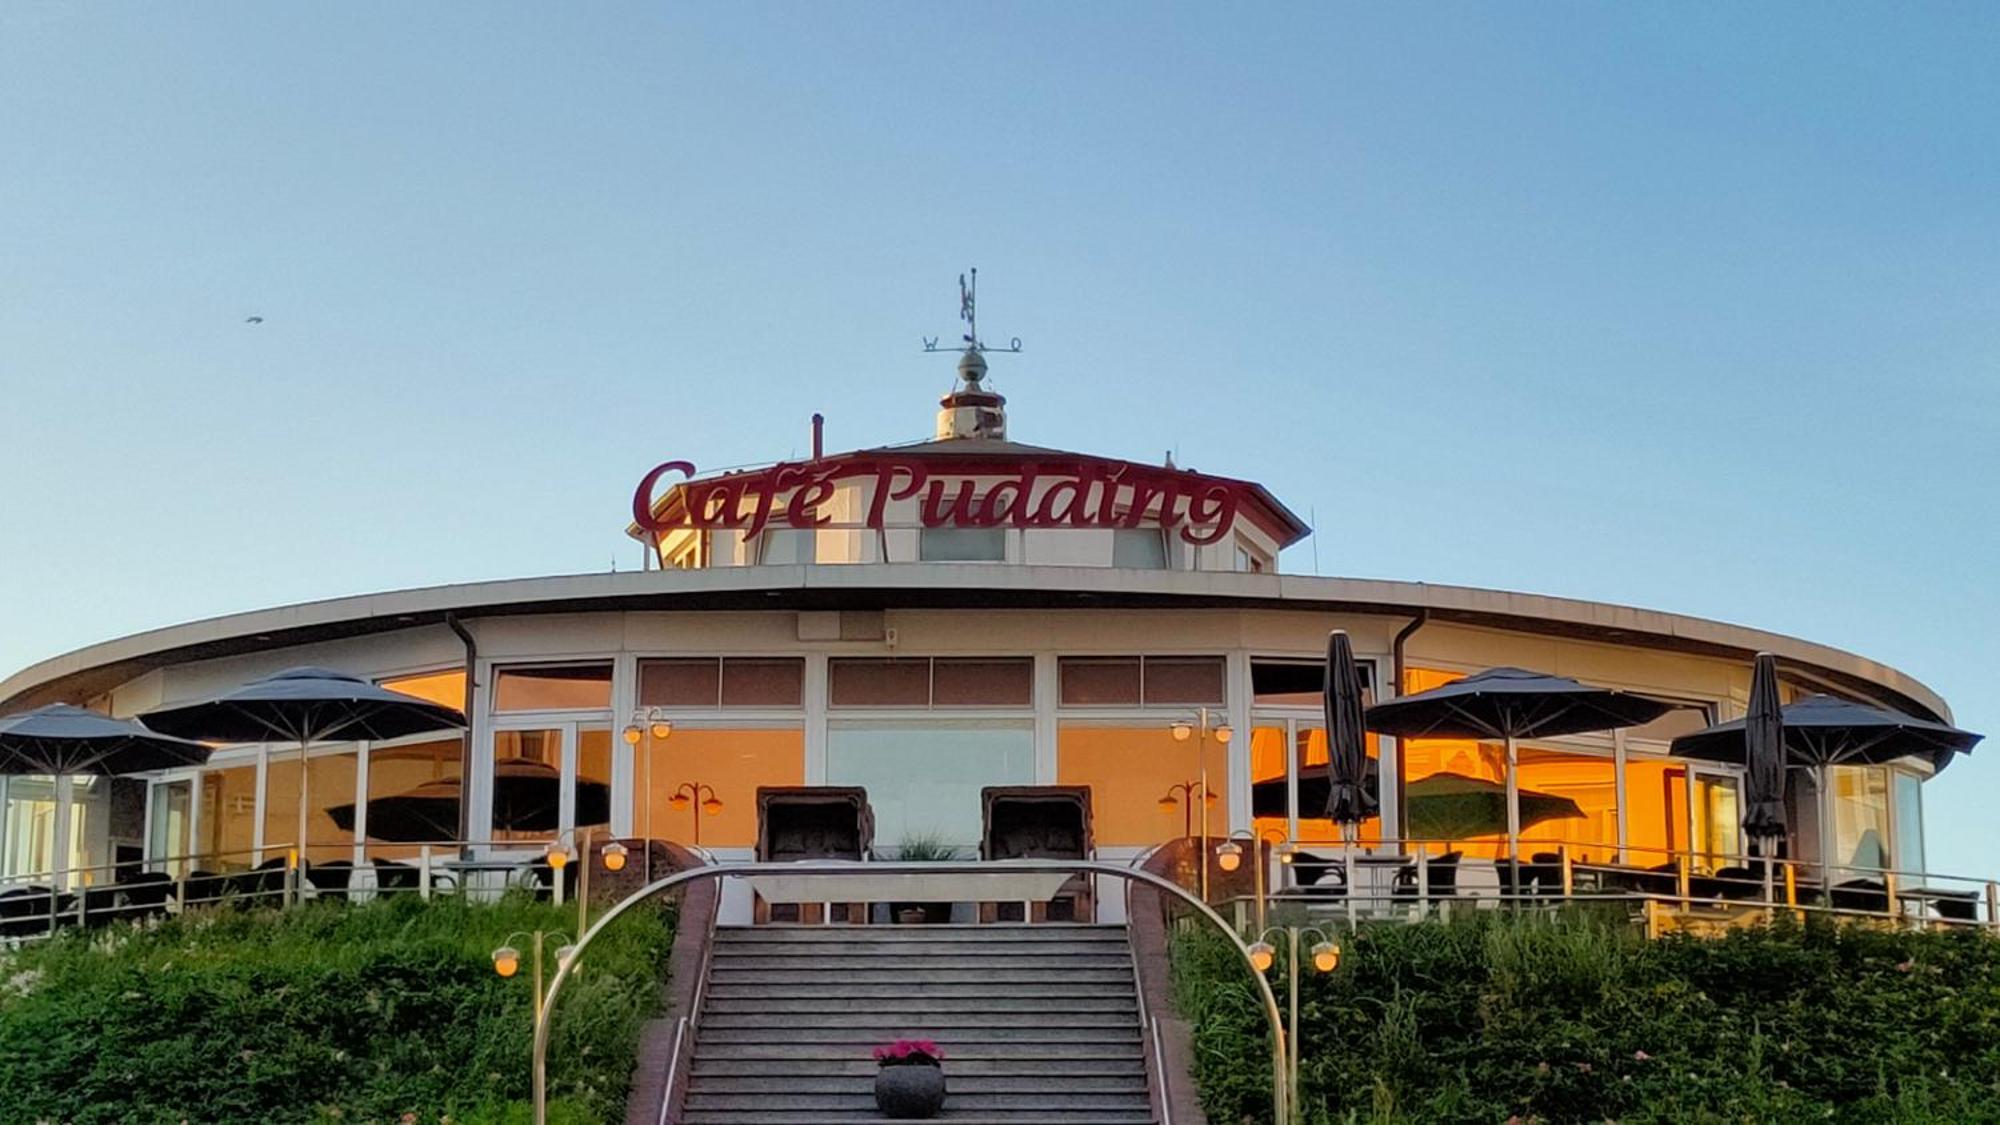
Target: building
[{"x": 926, "y": 621}]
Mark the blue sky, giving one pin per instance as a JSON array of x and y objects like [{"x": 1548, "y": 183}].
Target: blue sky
[{"x": 1694, "y": 307}]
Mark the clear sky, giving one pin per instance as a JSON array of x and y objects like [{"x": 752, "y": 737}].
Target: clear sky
[{"x": 1689, "y": 306}]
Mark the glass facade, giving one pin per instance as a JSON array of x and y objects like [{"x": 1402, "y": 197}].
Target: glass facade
[
  {"x": 732, "y": 763},
  {"x": 1860, "y": 819},
  {"x": 1140, "y": 777},
  {"x": 923, "y": 777}
]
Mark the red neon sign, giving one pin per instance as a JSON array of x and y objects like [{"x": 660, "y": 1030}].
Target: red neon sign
[{"x": 1025, "y": 494}]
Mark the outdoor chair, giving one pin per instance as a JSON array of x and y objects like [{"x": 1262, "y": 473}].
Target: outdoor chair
[
  {"x": 146, "y": 893},
  {"x": 1861, "y": 894},
  {"x": 1318, "y": 875},
  {"x": 1038, "y": 822},
  {"x": 205, "y": 888},
  {"x": 1738, "y": 883},
  {"x": 24, "y": 911},
  {"x": 262, "y": 883},
  {"x": 1441, "y": 873},
  {"x": 803, "y": 822},
  {"x": 100, "y": 906},
  {"x": 393, "y": 876},
  {"x": 331, "y": 879}
]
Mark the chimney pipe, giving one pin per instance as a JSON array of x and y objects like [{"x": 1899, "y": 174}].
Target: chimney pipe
[{"x": 819, "y": 435}]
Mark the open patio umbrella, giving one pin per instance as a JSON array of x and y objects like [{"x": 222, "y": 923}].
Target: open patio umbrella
[
  {"x": 62, "y": 739},
  {"x": 1511, "y": 704},
  {"x": 1348, "y": 800},
  {"x": 1452, "y": 806},
  {"x": 527, "y": 797},
  {"x": 1821, "y": 731},
  {"x": 306, "y": 706}
]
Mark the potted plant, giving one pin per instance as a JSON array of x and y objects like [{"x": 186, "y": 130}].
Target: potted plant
[
  {"x": 910, "y": 1081},
  {"x": 922, "y": 847}
]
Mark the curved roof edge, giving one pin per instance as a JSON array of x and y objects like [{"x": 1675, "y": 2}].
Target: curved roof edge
[{"x": 97, "y": 668}]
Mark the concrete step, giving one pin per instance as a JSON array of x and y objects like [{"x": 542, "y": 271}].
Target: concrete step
[
  {"x": 831, "y": 962},
  {"x": 838, "y": 934},
  {"x": 938, "y": 1022},
  {"x": 1006, "y": 1056},
  {"x": 921, "y": 972},
  {"x": 844, "y": 990},
  {"x": 736, "y": 1003},
  {"x": 870, "y": 1036},
  {"x": 872, "y": 1116},
  {"x": 964, "y": 1101},
  {"x": 730, "y": 1067},
  {"x": 863, "y": 1081}
]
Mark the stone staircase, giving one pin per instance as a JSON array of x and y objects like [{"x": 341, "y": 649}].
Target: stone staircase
[{"x": 1038, "y": 1023}]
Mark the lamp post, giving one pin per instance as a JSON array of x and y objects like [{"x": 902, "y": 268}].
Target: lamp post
[
  {"x": 507, "y": 962},
  {"x": 690, "y": 795},
  {"x": 613, "y": 855},
  {"x": 1325, "y": 959},
  {"x": 1229, "y": 856},
  {"x": 1183, "y": 731},
  {"x": 652, "y": 722}
]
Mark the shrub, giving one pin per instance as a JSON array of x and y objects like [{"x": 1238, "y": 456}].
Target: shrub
[
  {"x": 364, "y": 1013},
  {"x": 1575, "y": 1018}
]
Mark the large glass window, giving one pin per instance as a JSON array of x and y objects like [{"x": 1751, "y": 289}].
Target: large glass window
[
  {"x": 171, "y": 839},
  {"x": 1140, "y": 778},
  {"x": 527, "y": 784},
  {"x": 447, "y": 688},
  {"x": 1140, "y": 548},
  {"x": 419, "y": 792},
  {"x": 923, "y": 682},
  {"x": 553, "y": 687},
  {"x": 593, "y": 777},
  {"x": 29, "y": 842},
  {"x": 729, "y": 764},
  {"x": 1861, "y": 818},
  {"x": 1568, "y": 799},
  {"x": 1133, "y": 681},
  {"x": 711, "y": 682},
  {"x": 962, "y": 544},
  {"x": 923, "y": 778},
  {"x": 786, "y": 546},
  {"x": 1656, "y": 812},
  {"x": 331, "y": 778},
  {"x": 1909, "y": 853},
  {"x": 228, "y": 818},
  {"x": 1718, "y": 821}
]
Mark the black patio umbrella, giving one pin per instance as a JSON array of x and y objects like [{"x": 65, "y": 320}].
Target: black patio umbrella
[
  {"x": 1348, "y": 799},
  {"x": 1511, "y": 704},
  {"x": 1821, "y": 731},
  {"x": 1764, "y": 755},
  {"x": 305, "y": 705},
  {"x": 1268, "y": 797},
  {"x": 527, "y": 797},
  {"x": 62, "y": 739}
]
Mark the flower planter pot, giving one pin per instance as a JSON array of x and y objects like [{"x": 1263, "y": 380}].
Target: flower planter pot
[
  {"x": 913, "y": 913},
  {"x": 909, "y": 1092}
]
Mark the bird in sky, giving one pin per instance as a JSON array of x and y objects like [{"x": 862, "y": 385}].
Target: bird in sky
[{"x": 253, "y": 320}]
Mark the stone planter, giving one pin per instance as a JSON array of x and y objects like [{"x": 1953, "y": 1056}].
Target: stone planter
[{"x": 909, "y": 1091}]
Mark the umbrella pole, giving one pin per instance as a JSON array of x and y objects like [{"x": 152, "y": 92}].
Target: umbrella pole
[
  {"x": 299, "y": 874},
  {"x": 1825, "y": 839},
  {"x": 1513, "y": 819}
]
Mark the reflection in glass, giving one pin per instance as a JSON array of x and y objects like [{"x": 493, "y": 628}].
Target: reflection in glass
[
  {"x": 1583, "y": 814},
  {"x": 332, "y": 785},
  {"x": 527, "y": 784},
  {"x": 553, "y": 687},
  {"x": 228, "y": 818},
  {"x": 1909, "y": 851},
  {"x": 420, "y": 792},
  {"x": 924, "y": 778},
  {"x": 1718, "y": 822},
  {"x": 733, "y": 762},
  {"x": 1129, "y": 767},
  {"x": 1860, "y": 819}
]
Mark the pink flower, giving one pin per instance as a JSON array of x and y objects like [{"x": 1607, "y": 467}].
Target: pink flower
[
  {"x": 904, "y": 1052},
  {"x": 1641, "y": 1056}
]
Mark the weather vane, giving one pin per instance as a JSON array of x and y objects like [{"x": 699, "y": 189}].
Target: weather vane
[{"x": 968, "y": 311}]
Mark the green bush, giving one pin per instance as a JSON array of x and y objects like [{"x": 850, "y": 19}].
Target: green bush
[
  {"x": 387, "y": 1012},
  {"x": 1576, "y": 1018}
]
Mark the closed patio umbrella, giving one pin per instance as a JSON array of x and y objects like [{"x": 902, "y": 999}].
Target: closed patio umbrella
[
  {"x": 1348, "y": 799},
  {"x": 1511, "y": 704},
  {"x": 1821, "y": 731},
  {"x": 1764, "y": 764},
  {"x": 305, "y": 705}
]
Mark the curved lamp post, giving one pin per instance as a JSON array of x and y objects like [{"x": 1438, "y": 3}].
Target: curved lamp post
[
  {"x": 1280, "y": 1088},
  {"x": 507, "y": 962},
  {"x": 1325, "y": 959},
  {"x": 1229, "y": 857}
]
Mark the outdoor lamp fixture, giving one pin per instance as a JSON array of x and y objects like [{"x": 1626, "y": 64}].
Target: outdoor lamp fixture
[
  {"x": 507, "y": 962},
  {"x": 1204, "y": 723},
  {"x": 1325, "y": 959},
  {"x": 1229, "y": 857},
  {"x": 614, "y": 854},
  {"x": 1229, "y": 853},
  {"x": 633, "y": 733},
  {"x": 661, "y": 727},
  {"x": 692, "y": 793}
]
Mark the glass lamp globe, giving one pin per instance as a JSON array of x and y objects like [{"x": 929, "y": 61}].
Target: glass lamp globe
[
  {"x": 1229, "y": 855},
  {"x": 632, "y": 735},
  {"x": 558, "y": 857},
  {"x": 614, "y": 854},
  {"x": 1224, "y": 733},
  {"x": 662, "y": 728},
  {"x": 1183, "y": 730},
  {"x": 1262, "y": 956},
  {"x": 712, "y": 806},
  {"x": 1326, "y": 957},
  {"x": 506, "y": 960}
]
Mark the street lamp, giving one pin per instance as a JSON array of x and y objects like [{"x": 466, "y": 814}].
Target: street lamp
[
  {"x": 1229, "y": 857},
  {"x": 507, "y": 962},
  {"x": 1325, "y": 954},
  {"x": 613, "y": 854},
  {"x": 1202, "y": 726},
  {"x": 691, "y": 792},
  {"x": 652, "y": 721}
]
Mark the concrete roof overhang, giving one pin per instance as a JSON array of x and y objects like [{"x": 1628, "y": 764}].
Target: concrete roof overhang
[{"x": 93, "y": 670}]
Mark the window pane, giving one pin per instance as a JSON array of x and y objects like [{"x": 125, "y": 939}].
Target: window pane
[
  {"x": 554, "y": 687},
  {"x": 1183, "y": 679},
  {"x": 983, "y": 683},
  {"x": 527, "y": 784},
  {"x": 1098, "y": 681},
  {"x": 1568, "y": 799},
  {"x": 332, "y": 785},
  {"x": 424, "y": 777},
  {"x": 784, "y": 546},
  {"x": 1287, "y": 683},
  {"x": 1130, "y": 769},
  {"x": 924, "y": 778},
  {"x": 447, "y": 688},
  {"x": 962, "y": 544},
  {"x": 1861, "y": 818},
  {"x": 1909, "y": 853},
  {"x": 879, "y": 683},
  {"x": 31, "y": 825},
  {"x": 1718, "y": 823},
  {"x": 1451, "y": 793},
  {"x": 731, "y": 763},
  {"x": 1673, "y": 724},
  {"x": 679, "y": 683},
  {"x": 1309, "y": 756},
  {"x": 1270, "y": 791},
  {"x": 169, "y": 841},
  {"x": 1656, "y": 813},
  {"x": 593, "y": 776},
  {"x": 1141, "y": 548},
  {"x": 778, "y": 682},
  {"x": 228, "y": 818}
]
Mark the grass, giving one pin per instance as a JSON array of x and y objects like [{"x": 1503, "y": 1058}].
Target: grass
[
  {"x": 388, "y": 1012},
  {"x": 1575, "y": 1018}
]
